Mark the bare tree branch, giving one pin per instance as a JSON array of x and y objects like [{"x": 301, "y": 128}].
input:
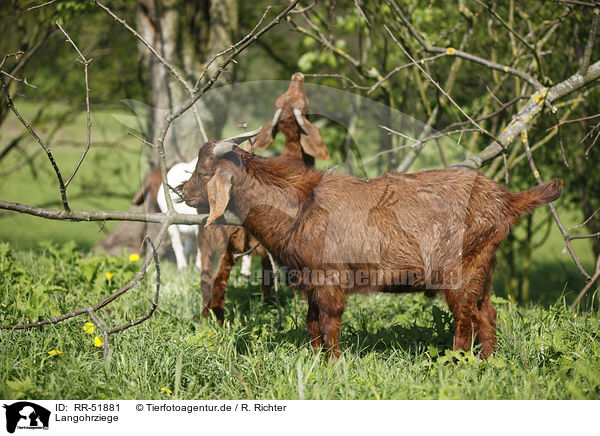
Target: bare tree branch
[
  {"x": 85, "y": 63},
  {"x": 523, "y": 119},
  {"x": 563, "y": 231},
  {"x": 107, "y": 215},
  {"x": 587, "y": 53},
  {"x": 476, "y": 59},
  {"x": 587, "y": 287},
  {"x": 586, "y": 221},
  {"x": 62, "y": 187}
]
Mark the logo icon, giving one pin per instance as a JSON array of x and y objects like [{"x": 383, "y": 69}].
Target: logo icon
[{"x": 26, "y": 415}]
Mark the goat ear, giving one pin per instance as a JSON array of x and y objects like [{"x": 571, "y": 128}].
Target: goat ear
[
  {"x": 262, "y": 140},
  {"x": 219, "y": 191},
  {"x": 312, "y": 143}
]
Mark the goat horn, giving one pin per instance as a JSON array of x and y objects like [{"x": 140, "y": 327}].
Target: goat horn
[
  {"x": 226, "y": 145},
  {"x": 276, "y": 117},
  {"x": 300, "y": 120}
]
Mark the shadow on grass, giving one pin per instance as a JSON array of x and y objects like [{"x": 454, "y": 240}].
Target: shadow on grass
[{"x": 355, "y": 335}]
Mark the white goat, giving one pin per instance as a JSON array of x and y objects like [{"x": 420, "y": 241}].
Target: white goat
[{"x": 177, "y": 175}]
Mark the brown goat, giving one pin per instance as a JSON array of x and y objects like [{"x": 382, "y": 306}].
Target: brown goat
[
  {"x": 302, "y": 139},
  {"x": 303, "y": 142},
  {"x": 426, "y": 231}
]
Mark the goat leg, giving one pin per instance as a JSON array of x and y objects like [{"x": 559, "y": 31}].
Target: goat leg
[
  {"x": 206, "y": 277},
  {"x": 267, "y": 278},
  {"x": 487, "y": 329},
  {"x": 177, "y": 246},
  {"x": 312, "y": 325},
  {"x": 331, "y": 302},
  {"x": 217, "y": 299}
]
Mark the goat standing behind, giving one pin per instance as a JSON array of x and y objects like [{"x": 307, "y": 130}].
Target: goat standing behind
[
  {"x": 222, "y": 243},
  {"x": 303, "y": 143},
  {"x": 183, "y": 237}
]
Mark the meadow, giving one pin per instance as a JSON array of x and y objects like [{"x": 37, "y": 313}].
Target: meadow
[{"x": 395, "y": 347}]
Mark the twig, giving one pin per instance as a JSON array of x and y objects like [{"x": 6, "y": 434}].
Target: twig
[
  {"x": 62, "y": 187},
  {"x": 572, "y": 121},
  {"x": 10, "y": 55},
  {"x": 587, "y": 286},
  {"x": 575, "y": 2},
  {"x": 560, "y": 140},
  {"x": 55, "y": 320},
  {"x": 585, "y": 222},
  {"x": 476, "y": 59},
  {"x": 400, "y": 68},
  {"x": 85, "y": 63},
  {"x": 40, "y": 6},
  {"x": 587, "y": 53},
  {"x": 523, "y": 118},
  {"x": 488, "y": 116},
  {"x": 591, "y": 235},
  {"x": 587, "y": 151},
  {"x": 142, "y": 139},
  {"x": 480, "y": 129},
  {"x": 416, "y": 142},
  {"x": 337, "y": 76},
  {"x": 361, "y": 13},
  {"x": 516, "y": 34},
  {"x": 565, "y": 234},
  {"x": 238, "y": 255},
  {"x": 17, "y": 79}
]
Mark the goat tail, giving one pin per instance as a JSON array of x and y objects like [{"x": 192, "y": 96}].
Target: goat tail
[
  {"x": 526, "y": 201},
  {"x": 145, "y": 190},
  {"x": 139, "y": 197}
]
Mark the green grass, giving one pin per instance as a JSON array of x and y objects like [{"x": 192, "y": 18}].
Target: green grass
[{"x": 395, "y": 347}]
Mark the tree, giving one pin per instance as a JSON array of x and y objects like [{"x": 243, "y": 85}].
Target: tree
[{"x": 177, "y": 40}]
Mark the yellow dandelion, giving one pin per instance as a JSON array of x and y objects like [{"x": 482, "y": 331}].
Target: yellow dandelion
[
  {"x": 98, "y": 341},
  {"x": 167, "y": 390},
  {"x": 108, "y": 275},
  {"x": 88, "y": 328},
  {"x": 134, "y": 257},
  {"x": 55, "y": 353}
]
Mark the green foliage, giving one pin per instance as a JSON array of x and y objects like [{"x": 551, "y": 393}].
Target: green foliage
[
  {"x": 395, "y": 347},
  {"x": 55, "y": 69}
]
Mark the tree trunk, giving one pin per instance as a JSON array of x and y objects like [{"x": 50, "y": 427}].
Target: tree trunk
[{"x": 187, "y": 34}]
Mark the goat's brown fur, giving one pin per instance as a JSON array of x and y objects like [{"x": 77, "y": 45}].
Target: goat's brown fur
[{"x": 437, "y": 228}]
